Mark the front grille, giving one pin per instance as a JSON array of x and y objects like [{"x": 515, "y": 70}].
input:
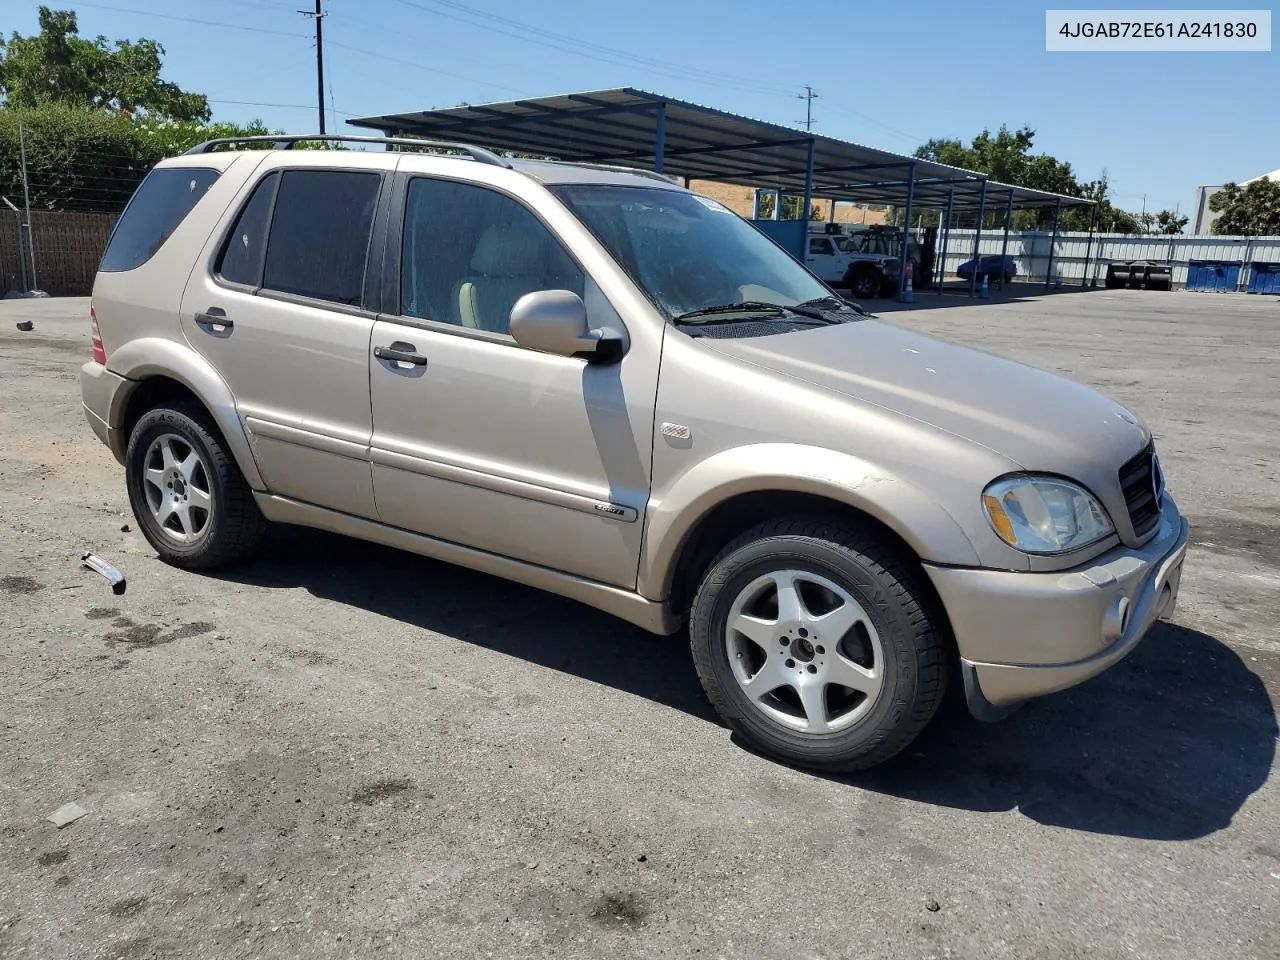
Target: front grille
[{"x": 1142, "y": 483}]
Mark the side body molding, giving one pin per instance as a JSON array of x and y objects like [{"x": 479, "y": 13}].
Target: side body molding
[
  {"x": 138, "y": 360},
  {"x": 677, "y": 508}
]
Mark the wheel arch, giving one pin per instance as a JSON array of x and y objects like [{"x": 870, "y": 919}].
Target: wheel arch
[
  {"x": 726, "y": 494},
  {"x": 158, "y": 370}
]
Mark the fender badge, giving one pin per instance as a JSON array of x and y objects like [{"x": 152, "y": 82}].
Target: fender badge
[{"x": 677, "y": 430}]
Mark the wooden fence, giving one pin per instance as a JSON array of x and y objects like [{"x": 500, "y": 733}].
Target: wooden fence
[{"x": 68, "y": 249}]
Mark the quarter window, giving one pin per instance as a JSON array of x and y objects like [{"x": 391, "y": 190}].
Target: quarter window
[
  {"x": 319, "y": 239},
  {"x": 245, "y": 251},
  {"x": 470, "y": 253}
]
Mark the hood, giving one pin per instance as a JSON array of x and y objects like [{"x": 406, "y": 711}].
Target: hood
[{"x": 1038, "y": 420}]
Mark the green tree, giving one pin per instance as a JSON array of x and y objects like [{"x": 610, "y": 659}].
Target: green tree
[
  {"x": 57, "y": 65},
  {"x": 1249, "y": 211},
  {"x": 1007, "y": 157},
  {"x": 1168, "y": 222},
  {"x": 82, "y": 158}
]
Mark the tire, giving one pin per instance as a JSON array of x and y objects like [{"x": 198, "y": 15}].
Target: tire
[
  {"x": 863, "y": 282},
  {"x": 895, "y": 634},
  {"x": 168, "y": 491}
]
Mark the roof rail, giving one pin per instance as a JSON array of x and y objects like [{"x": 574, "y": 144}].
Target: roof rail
[
  {"x": 283, "y": 142},
  {"x": 619, "y": 168}
]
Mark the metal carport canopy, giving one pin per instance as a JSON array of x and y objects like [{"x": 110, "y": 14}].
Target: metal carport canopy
[{"x": 635, "y": 128}]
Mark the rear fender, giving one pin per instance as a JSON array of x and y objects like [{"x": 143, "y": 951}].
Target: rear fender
[{"x": 142, "y": 359}]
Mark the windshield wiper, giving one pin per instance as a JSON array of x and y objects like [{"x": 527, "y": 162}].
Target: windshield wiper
[
  {"x": 747, "y": 306},
  {"x": 830, "y": 305},
  {"x": 808, "y": 310}
]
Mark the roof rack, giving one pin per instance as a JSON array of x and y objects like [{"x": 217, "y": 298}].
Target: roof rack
[{"x": 282, "y": 142}]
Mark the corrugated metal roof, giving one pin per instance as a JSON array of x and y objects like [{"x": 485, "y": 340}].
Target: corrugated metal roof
[{"x": 620, "y": 127}]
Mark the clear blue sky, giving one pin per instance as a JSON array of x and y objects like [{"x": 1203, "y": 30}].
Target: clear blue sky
[{"x": 889, "y": 74}]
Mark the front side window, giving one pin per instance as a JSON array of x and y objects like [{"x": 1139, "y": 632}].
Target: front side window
[
  {"x": 687, "y": 252},
  {"x": 319, "y": 239},
  {"x": 162, "y": 201},
  {"x": 470, "y": 253}
]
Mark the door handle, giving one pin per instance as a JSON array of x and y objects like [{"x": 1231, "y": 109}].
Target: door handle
[
  {"x": 400, "y": 352},
  {"x": 216, "y": 319}
]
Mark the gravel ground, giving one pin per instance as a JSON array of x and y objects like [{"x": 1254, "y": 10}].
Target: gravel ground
[{"x": 340, "y": 750}]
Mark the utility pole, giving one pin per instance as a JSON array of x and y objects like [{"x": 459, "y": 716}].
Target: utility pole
[
  {"x": 808, "y": 97},
  {"x": 318, "y": 17}
]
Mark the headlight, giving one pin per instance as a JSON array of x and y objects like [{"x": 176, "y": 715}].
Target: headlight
[{"x": 1044, "y": 514}]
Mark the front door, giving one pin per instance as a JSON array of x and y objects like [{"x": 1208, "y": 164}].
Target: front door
[
  {"x": 278, "y": 314},
  {"x": 824, "y": 260},
  {"x": 482, "y": 442}
]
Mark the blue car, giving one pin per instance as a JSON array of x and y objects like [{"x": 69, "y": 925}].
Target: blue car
[{"x": 993, "y": 267}]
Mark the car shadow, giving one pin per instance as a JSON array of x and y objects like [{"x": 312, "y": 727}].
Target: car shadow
[
  {"x": 1167, "y": 745},
  {"x": 483, "y": 610}
]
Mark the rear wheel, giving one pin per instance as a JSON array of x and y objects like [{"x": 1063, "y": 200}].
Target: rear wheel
[
  {"x": 188, "y": 496},
  {"x": 813, "y": 643}
]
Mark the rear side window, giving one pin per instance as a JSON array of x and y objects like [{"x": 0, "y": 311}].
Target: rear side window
[
  {"x": 162, "y": 201},
  {"x": 319, "y": 238},
  {"x": 245, "y": 251}
]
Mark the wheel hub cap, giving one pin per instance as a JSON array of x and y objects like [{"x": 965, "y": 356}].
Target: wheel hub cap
[
  {"x": 804, "y": 651},
  {"x": 175, "y": 483}
]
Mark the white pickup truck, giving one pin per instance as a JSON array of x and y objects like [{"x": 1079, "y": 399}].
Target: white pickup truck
[{"x": 853, "y": 262}]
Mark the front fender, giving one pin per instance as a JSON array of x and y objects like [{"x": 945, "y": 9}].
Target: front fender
[
  {"x": 139, "y": 360},
  {"x": 675, "y": 511}
]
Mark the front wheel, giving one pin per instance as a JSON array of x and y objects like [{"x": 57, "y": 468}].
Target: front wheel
[
  {"x": 188, "y": 495},
  {"x": 814, "y": 644},
  {"x": 863, "y": 282}
]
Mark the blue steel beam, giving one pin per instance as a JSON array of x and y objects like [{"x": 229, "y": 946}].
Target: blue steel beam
[
  {"x": 660, "y": 138},
  {"x": 906, "y": 231},
  {"x": 977, "y": 238},
  {"x": 1004, "y": 247},
  {"x": 1053, "y": 243},
  {"x": 808, "y": 183},
  {"x": 946, "y": 236},
  {"x": 1088, "y": 250}
]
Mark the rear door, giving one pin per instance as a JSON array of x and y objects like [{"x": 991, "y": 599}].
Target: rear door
[{"x": 279, "y": 307}]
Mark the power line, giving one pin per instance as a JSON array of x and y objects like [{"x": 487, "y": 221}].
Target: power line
[
  {"x": 285, "y": 106},
  {"x": 203, "y": 23},
  {"x": 574, "y": 45},
  {"x": 418, "y": 66}
]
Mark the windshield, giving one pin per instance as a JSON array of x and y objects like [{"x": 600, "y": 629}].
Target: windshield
[{"x": 688, "y": 252}]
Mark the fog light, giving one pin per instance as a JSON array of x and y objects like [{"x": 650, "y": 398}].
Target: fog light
[{"x": 1115, "y": 620}]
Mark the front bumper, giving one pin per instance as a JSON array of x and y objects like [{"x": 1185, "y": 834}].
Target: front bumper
[
  {"x": 1024, "y": 635},
  {"x": 98, "y": 390}
]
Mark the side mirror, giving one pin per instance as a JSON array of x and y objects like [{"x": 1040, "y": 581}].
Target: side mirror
[{"x": 555, "y": 321}]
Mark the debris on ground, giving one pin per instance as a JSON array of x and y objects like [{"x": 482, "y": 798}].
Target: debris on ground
[
  {"x": 932, "y": 905},
  {"x": 124, "y": 528},
  {"x": 114, "y": 576},
  {"x": 26, "y": 326},
  {"x": 66, "y": 814}
]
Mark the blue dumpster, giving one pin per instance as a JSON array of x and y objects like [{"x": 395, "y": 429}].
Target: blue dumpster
[
  {"x": 1212, "y": 276},
  {"x": 1264, "y": 278}
]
